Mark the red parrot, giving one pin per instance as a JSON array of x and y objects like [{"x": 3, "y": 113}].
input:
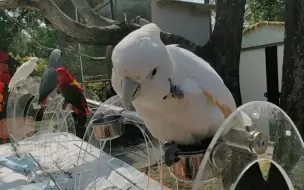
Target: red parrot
[
  {"x": 73, "y": 94},
  {"x": 5, "y": 76}
]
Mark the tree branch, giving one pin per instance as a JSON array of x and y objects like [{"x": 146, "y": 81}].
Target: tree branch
[
  {"x": 91, "y": 18},
  {"x": 169, "y": 38},
  {"x": 140, "y": 20},
  {"x": 7, "y": 4},
  {"x": 96, "y": 35},
  {"x": 100, "y": 6},
  {"x": 107, "y": 35}
]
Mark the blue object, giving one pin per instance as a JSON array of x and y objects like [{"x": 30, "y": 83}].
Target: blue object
[
  {"x": 24, "y": 164},
  {"x": 46, "y": 185}
]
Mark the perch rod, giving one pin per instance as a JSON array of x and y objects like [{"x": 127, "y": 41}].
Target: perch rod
[{"x": 128, "y": 115}]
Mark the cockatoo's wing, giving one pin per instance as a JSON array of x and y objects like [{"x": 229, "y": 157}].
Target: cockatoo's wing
[
  {"x": 202, "y": 79},
  {"x": 200, "y": 76},
  {"x": 22, "y": 73}
]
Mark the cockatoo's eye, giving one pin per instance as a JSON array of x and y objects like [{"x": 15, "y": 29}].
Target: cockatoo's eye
[{"x": 153, "y": 72}]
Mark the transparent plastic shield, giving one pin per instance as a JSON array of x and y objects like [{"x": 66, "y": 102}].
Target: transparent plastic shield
[
  {"x": 89, "y": 94},
  {"x": 21, "y": 115},
  {"x": 59, "y": 127},
  {"x": 57, "y": 118},
  {"x": 272, "y": 136},
  {"x": 60, "y": 132},
  {"x": 101, "y": 169}
]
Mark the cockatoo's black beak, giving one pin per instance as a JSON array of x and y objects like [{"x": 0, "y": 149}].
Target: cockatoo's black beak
[
  {"x": 38, "y": 62},
  {"x": 129, "y": 91}
]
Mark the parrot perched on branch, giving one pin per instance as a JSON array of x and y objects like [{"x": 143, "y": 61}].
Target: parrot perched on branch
[
  {"x": 23, "y": 71},
  {"x": 49, "y": 80},
  {"x": 73, "y": 94},
  {"x": 179, "y": 96}
]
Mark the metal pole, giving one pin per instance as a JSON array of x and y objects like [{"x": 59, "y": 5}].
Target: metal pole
[
  {"x": 112, "y": 9},
  {"x": 52, "y": 178}
]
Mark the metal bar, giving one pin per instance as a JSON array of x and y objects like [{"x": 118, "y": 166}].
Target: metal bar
[
  {"x": 93, "y": 102},
  {"x": 85, "y": 150},
  {"x": 13, "y": 144},
  {"x": 126, "y": 178},
  {"x": 51, "y": 177},
  {"x": 112, "y": 9},
  {"x": 129, "y": 116}
]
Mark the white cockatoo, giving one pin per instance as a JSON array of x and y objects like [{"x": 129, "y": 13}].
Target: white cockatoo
[
  {"x": 23, "y": 71},
  {"x": 178, "y": 95}
]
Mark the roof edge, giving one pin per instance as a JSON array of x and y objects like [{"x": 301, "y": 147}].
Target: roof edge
[
  {"x": 200, "y": 5},
  {"x": 261, "y": 24}
]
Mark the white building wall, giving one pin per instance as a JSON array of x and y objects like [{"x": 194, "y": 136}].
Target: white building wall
[
  {"x": 263, "y": 36},
  {"x": 253, "y": 75},
  {"x": 253, "y": 80},
  {"x": 182, "y": 19},
  {"x": 280, "y": 64}
]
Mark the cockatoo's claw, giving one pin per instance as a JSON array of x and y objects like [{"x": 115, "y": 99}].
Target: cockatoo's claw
[
  {"x": 170, "y": 154},
  {"x": 206, "y": 142},
  {"x": 36, "y": 106},
  {"x": 175, "y": 91}
]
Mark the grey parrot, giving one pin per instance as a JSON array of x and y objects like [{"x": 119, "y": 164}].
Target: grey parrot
[{"x": 49, "y": 80}]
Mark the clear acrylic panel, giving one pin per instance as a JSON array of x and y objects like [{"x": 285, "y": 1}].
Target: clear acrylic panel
[
  {"x": 107, "y": 124},
  {"x": 234, "y": 148}
]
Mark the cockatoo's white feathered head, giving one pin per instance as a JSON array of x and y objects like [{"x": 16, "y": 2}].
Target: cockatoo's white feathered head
[
  {"x": 141, "y": 66},
  {"x": 34, "y": 60}
]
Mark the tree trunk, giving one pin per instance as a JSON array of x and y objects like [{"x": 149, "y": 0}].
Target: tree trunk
[
  {"x": 223, "y": 53},
  {"x": 223, "y": 49},
  {"x": 225, "y": 44},
  {"x": 292, "y": 93}
]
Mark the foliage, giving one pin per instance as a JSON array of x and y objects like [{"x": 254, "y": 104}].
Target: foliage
[
  {"x": 8, "y": 30},
  {"x": 101, "y": 89},
  {"x": 25, "y": 33},
  {"x": 264, "y": 10}
]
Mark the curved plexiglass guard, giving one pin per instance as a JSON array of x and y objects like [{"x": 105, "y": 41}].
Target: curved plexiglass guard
[
  {"x": 271, "y": 136},
  {"x": 107, "y": 124},
  {"x": 21, "y": 112}
]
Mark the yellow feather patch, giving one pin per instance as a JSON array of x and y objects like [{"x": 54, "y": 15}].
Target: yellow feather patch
[
  {"x": 225, "y": 109},
  {"x": 27, "y": 58},
  {"x": 76, "y": 83}
]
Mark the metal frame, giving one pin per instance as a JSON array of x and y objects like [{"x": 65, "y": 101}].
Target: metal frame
[{"x": 79, "y": 45}]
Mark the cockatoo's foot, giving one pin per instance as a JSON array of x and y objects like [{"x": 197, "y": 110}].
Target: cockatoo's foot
[
  {"x": 15, "y": 90},
  {"x": 36, "y": 106},
  {"x": 175, "y": 91},
  {"x": 206, "y": 142},
  {"x": 170, "y": 153},
  {"x": 23, "y": 90}
]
